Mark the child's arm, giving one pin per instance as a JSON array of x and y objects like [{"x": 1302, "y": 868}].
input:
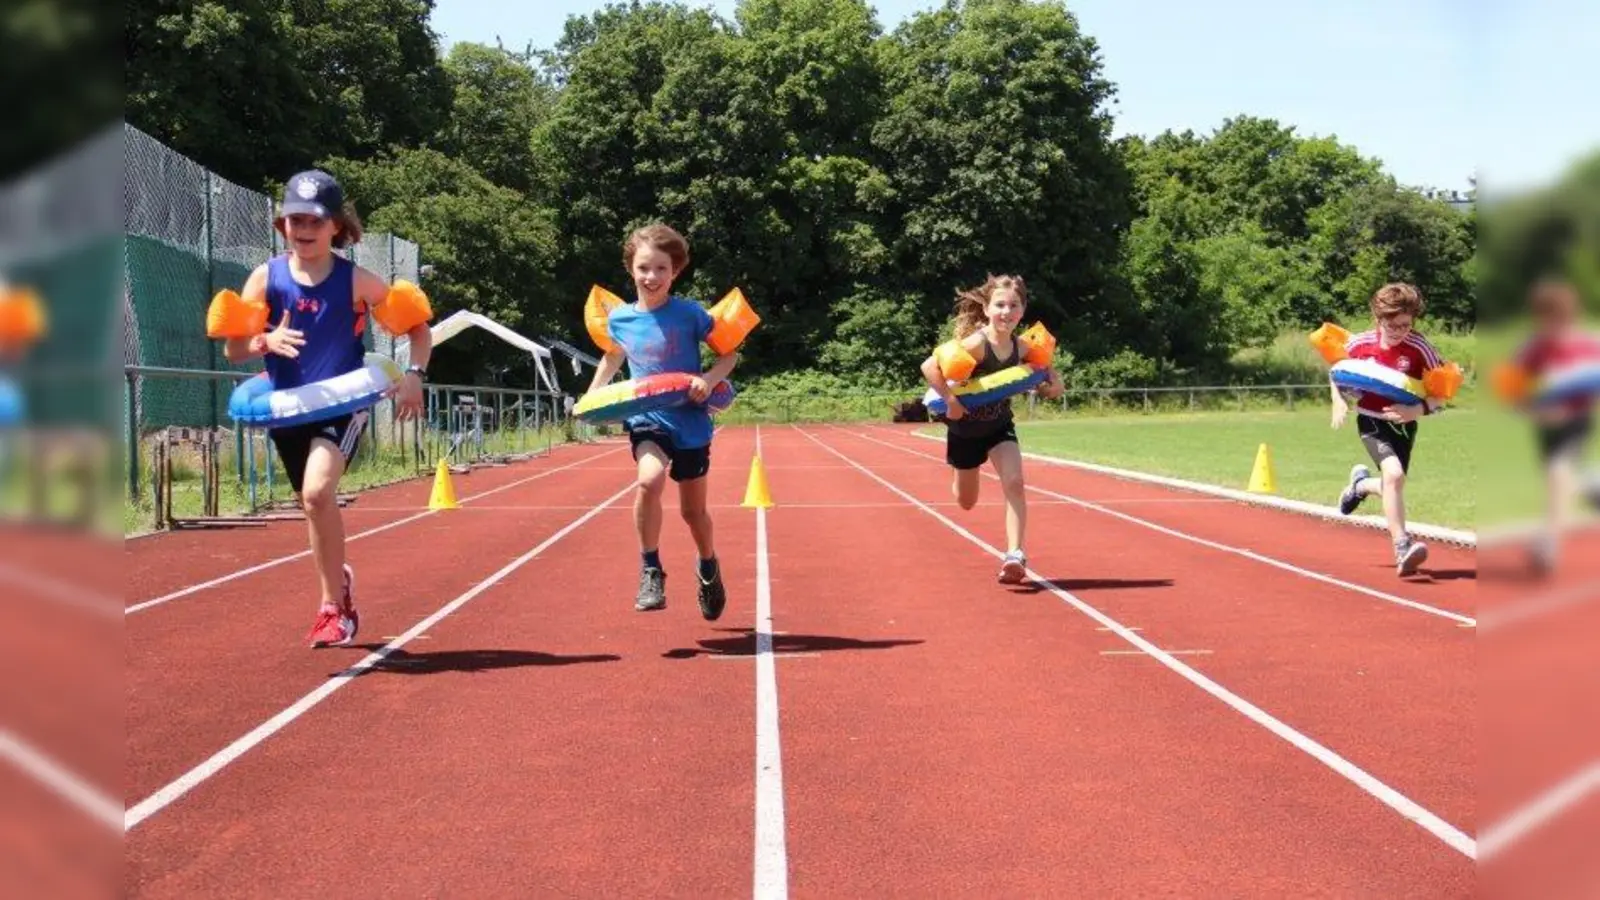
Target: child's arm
[
  {"x": 721, "y": 369},
  {"x": 610, "y": 365},
  {"x": 283, "y": 340},
  {"x": 934, "y": 375},
  {"x": 1054, "y": 385},
  {"x": 372, "y": 292},
  {"x": 1431, "y": 359},
  {"x": 397, "y": 311},
  {"x": 700, "y": 385},
  {"x": 1341, "y": 408}
]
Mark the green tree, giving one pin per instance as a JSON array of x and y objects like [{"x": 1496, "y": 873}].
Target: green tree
[
  {"x": 996, "y": 140},
  {"x": 498, "y": 102},
  {"x": 257, "y": 89},
  {"x": 492, "y": 251},
  {"x": 56, "y": 59}
]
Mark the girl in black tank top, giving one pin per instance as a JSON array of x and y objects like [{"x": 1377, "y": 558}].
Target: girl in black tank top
[
  {"x": 991, "y": 417},
  {"x": 988, "y": 314}
]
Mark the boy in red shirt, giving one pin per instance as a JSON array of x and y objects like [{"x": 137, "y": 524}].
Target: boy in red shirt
[
  {"x": 1389, "y": 432},
  {"x": 1563, "y": 428}
]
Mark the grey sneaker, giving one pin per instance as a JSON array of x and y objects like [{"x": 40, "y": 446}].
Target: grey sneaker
[
  {"x": 652, "y": 590},
  {"x": 1013, "y": 568},
  {"x": 713, "y": 597},
  {"x": 1409, "y": 558},
  {"x": 1349, "y": 500}
]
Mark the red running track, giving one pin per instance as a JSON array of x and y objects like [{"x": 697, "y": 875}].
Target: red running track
[{"x": 937, "y": 732}]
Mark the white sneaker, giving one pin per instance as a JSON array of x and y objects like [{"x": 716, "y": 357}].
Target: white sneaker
[
  {"x": 1014, "y": 568},
  {"x": 1408, "y": 560}
]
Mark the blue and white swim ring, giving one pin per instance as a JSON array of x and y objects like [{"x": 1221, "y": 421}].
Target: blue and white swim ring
[
  {"x": 11, "y": 403},
  {"x": 255, "y": 403}
]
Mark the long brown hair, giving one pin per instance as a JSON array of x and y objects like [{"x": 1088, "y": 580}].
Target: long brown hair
[{"x": 972, "y": 304}]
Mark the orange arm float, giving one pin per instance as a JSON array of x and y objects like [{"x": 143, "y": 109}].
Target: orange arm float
[
  {"x": 596, "y": 310},
  {"x": 955, "y": 363},
  {"x": 1511, "y": 382},
  {"x": 1330, "y": 341},
  {"x": 405, "y": 307},
  {"x": 732, "y": 320},
  {"x": 1443, "y": 381},
  {"x": 1039, "y": 346},
  {"x": 22, "y": 319},
  {"x": 233, "y": 316}
]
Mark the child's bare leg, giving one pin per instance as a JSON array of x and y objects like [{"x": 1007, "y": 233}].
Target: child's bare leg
[
  {"x": 965, "y": 487},
  {"x": 647, "y": 499},
  {"x": 692, "y": 504},
  {"x": 1561, "y": 489},
  {"x": 319, "y": 498},
  {"x": 1394, "y": 502},
  {"x": 1007, "y": 460},
  {"x": 1561, "y": 476},
  {"x": 712, "y": 596}
]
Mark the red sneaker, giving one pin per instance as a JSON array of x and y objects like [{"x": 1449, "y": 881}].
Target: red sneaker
[{"x": 337, "y": 626}]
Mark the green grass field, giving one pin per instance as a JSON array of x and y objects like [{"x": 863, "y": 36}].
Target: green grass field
[{"x": 1470, "y": 468}]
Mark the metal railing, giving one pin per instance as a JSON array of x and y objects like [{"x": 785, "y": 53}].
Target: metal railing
[
  {"x": 464, "y": 424},
  {"x": 784, "y": 407},
  {"x": 776, "y": 407}
]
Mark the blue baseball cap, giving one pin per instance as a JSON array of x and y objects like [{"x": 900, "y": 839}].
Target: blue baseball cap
[{"x": 314, "y": 193}]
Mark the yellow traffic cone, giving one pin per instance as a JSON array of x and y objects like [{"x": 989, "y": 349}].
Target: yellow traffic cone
[
  {"x": 1262, "y": 480},
  {"x": 756, "y": 494},
  {"x": 444, "y": 493}
]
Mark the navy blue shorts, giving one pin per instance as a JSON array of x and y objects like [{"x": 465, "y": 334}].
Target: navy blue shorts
[{"x": 686, "y": 465}]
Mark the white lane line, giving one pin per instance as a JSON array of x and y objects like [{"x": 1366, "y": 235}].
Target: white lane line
[
  {"x": 1468, "y": 621},
  {"x": 1420, "y": 529},
  {"x": 1535, "y": 814},
  {"x": 196, "y": 588},
  {"x": 1168, "y": 652},
  {"x": 53, "y": 588},
  {"x": 1410, "y": 809},
  {"x": 58, "y": 779},
  {"x": 222, "y": 758},
  {"x": 771, "y": 852}
]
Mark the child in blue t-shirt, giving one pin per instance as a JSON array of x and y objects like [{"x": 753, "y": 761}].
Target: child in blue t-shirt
[{"x": 656, "y": 334}]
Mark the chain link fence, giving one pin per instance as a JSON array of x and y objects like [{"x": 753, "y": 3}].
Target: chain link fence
[
  {"x": 189, "y": 234},
  {"x": 59, "y": 240}
]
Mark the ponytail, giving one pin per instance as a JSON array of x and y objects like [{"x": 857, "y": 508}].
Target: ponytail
[{"x": 971, "y": 313}]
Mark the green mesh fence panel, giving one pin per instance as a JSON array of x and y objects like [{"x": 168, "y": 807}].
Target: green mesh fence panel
[{"x": 59, "y": 238}]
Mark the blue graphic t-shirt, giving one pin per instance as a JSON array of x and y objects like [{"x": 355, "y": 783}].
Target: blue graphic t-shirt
[{"x": 666, "y": 339}]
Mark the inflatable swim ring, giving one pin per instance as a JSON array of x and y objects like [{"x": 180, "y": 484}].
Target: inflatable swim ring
[
  {"x": 11, "y": 404},
  {"x": 1573, "y": 382},
  {"x": 254, "y": 402},
  {"x": 626, "y": 399},
  {"x": 1438, "y": 383},
  {"x": 987, "y": 389},
  {"x": 1370, "y": 377}
]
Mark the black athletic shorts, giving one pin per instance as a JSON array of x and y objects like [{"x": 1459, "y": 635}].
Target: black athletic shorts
[
  {"x": 971, "y": 451},
  {"x": 1383, "y": 438},
  {"x": 686, "y": 465},
  {"x": 294, "y": 442},
  {"x": 1564, "y": 437}
]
